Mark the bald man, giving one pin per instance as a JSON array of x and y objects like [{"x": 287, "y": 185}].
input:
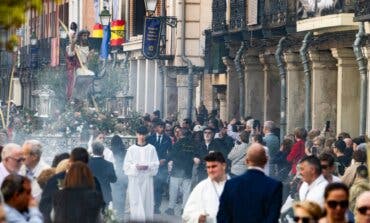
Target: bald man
[
  {"x": 252, "y": 197},
  {"x": 362, "y": 210}
]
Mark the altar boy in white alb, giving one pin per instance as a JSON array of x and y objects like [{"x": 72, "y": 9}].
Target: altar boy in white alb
[
  {"x": 203, "y": 202},
  {"x": 140, "y": 165}
]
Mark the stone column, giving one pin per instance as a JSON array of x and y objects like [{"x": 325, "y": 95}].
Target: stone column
[
  {"x": 140, "y": 84},
  {"x": 170, "y": 95},
  {"x": 295, "y": 91},
  {"x": 182, "y": 87},
  {"x": 158, "y": 86},
  {"x": 223, "y": 105},
  {"x": 254, "y": 79},
  {"x": 271, "y": 99},
  {"x": 324, "y": 89},
  {"x": 348, "y": 92},
  {"x": 149, "y": 86},
  {"x": 182, "y": 92},
  {"x": 208, "y": 98},
  {"x": 232, "y": 90}
]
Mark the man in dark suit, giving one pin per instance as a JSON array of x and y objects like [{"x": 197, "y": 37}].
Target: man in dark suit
[
  {"x": 56, "y": 183},
  {"x": 252, "y": 197},
  {"x": 103, "y": 170},
  {"x": 162, "y": 144}
]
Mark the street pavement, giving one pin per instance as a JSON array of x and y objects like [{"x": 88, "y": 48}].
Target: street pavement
[{"x": 163, "y": 217}]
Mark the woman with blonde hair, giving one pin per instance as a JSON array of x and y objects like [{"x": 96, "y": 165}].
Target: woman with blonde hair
[
  {"x": 307, "y": 212},
  {"x": 62, "y": 166}
]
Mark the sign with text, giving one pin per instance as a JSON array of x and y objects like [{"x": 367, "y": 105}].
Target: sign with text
[{"x": 151, "y": 40}]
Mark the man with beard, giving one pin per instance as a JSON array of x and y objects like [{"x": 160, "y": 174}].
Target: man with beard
[{"x": 77, "y": 56}]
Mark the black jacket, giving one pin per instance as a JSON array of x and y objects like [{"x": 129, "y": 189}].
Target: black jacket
[
  {"x": 182, "y": 155},
  {"x": 52, "y": 186},
  {"x": 77, "y": 205},
  {"x": 162, "y": 149},
  {"x": 104, "y": 171}
]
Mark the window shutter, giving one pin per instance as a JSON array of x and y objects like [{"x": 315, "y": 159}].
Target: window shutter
[{"x": 252, "y": 12}]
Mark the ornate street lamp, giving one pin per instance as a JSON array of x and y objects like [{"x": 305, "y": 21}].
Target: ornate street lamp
[
  {"x": 150, "y": 6},
  {"x": 62, "y": 33},
  {"x": 105, "y": 16},
  {"x": 33, "y": 39}
]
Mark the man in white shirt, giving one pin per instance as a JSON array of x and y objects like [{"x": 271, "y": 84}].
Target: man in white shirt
[
  {"x": 33, "y": 165},
  {"x": 19, "y": 204},
  {"x": 314, "y": 183},
  {"x": 203, "y": 202},
  {"x": 12, "y": 160}
]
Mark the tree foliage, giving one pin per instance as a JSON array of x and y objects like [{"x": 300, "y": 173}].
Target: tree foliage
[
  {"x": 14, "y": 12},
  {"x": 13, "y": 16}
]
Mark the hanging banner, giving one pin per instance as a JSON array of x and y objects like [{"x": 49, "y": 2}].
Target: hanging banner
[{"x": 151, "y": 40}]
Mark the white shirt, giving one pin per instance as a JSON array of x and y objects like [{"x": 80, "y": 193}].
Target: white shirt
[
  {"x": 3, "y": 173},
  {"x": 32, "y": 175},
  {"x": 314, "y": 192},
  {"x": 335, "y": 179},
  {"x": 203, "y": 200}
]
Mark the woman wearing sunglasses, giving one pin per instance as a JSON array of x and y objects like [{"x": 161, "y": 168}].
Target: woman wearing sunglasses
[
  {"x": 336, "y": 197},
  {"x": 362, "y": 211},
  {"x": 307, "y": 212}
]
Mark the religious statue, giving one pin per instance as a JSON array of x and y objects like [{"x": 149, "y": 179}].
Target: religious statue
[{"x": 79, "y": 77}]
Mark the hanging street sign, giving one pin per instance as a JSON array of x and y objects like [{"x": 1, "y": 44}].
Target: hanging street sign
[{"x": 151, "y": 40}]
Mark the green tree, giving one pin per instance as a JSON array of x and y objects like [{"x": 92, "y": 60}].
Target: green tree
[{"x": 13, "y": 15}]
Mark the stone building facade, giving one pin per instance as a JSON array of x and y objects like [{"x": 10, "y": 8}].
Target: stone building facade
[
  {"x": 233, "y": 46},
  {"x": 332, "y": 71},
  {"x": 162, "y": 83}
]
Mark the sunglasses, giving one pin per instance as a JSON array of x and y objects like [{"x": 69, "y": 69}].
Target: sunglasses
[
  {"x": 19, "y": 160},
  {"x": 302, "y": 219},
  {"x": 334, "y": 204},
  {"x": 324, "y": 166},
  {"x": 363, "y": 210}
]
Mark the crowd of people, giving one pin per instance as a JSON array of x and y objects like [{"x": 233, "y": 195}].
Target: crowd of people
[{"x": 207, "y": 170}]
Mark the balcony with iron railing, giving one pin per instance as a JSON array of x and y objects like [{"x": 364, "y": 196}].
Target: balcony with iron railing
[
  {"x": 325, "y": 16},
  {"x": 362, "y": 10}
]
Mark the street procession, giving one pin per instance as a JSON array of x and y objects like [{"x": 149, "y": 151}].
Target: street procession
[{"x": 184, "y": 111}]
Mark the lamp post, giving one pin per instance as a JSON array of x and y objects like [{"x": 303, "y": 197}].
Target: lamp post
[
  {"x": 33, "y": 39},
  {"x": 33, "y": 49},
  {"x": 63, "y": 42},
  {"x": 150, "y": 6},
  {"x": 62, "y": 33},
  {"x": 105, "y": 16}
]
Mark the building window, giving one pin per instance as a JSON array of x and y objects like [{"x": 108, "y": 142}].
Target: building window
[{"x": 139, "y": 17}]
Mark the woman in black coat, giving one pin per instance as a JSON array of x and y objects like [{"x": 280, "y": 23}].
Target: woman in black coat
[{"x": 78, "y": 201}]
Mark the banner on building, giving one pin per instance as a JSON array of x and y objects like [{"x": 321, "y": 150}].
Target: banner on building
[{"x": 151, "y": 40}]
